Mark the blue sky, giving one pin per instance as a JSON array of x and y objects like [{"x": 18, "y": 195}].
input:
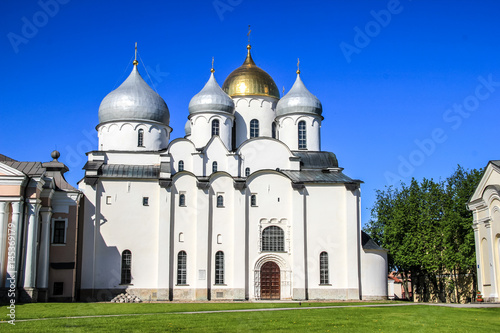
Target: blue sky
[{"x": 409, "y": 88}]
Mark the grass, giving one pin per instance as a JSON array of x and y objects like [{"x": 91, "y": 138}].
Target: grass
[{"x": 414, "y": 318}]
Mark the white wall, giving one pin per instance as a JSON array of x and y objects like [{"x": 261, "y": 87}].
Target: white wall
[
  {"x": 124, "y": 136},
  {"x": 288, "y": 131}
]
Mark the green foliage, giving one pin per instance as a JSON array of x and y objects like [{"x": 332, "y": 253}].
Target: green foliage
[{"x": 427, "y": 229}]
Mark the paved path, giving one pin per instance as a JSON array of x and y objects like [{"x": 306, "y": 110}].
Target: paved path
[{"x": 475, "y": 305}]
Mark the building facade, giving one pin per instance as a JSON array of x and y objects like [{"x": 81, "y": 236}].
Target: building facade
[
  {"x": 246, "y": 206},
  {"x": 485, "y": 205}
]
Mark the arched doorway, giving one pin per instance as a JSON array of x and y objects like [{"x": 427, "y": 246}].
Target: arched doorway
[{"x": 270, "y": 281}]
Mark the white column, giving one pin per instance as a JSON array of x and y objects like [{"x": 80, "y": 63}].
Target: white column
[
  {"x": 44, "y": 251},
  {"x": 31, "y": 240},
  {"x": 3, "y": 239},
  {"x": 15, "y": 250}
]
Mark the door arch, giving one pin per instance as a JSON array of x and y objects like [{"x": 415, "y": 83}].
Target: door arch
[{"x": 270, "y": 281}]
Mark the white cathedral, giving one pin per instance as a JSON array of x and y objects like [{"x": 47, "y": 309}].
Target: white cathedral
[{"x": 245, "y": 207}]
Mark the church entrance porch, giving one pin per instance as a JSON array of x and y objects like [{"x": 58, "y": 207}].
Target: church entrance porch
[{"x": 270, "y": 284}]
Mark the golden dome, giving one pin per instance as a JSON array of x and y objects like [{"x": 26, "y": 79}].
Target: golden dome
[{"x": 248, "y": 79}]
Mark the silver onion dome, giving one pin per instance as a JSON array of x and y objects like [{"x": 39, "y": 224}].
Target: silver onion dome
[
  {"x": 134, "y": 100},
  {"x": 187, "y": 128},
  {"x": 299, "y": 100},
  {"x": 211, "y": 99}
]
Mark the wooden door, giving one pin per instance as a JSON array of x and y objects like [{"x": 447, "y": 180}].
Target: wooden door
[{"x": 270, "y": 281}]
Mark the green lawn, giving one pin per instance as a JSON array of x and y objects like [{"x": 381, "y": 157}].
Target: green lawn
[{"x": 411, "y": 318}]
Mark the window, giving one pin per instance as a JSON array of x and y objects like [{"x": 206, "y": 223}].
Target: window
[
  {"x": 215, "y": 127},
  {"x": 273, "y": 131},
  {"x": 180, "y": 166},
  {"x": 140, "y": 138},
  {"x": 273, "y": 239},
  {"x": 59, "y": 232},
  {"x": 214, "y": 167},
  {"x": 247, "y": 172},
  {"x": 219, "y": 239},
  {"x": 126, "y": 267},
  {"x": 108, "y": 200},
  {"x": 220, "y": 201},
  {"x": 253, "y": 200},
  {"x": 323, "y": 268},
  {"x": 181, "y": 237},
  {"x": 58, "y": 289},
  {"x": 302, "y": 135},
  {"x": 254, "y": 128},
  {"x": 182, "y": 200},
  {"x": 145, "y": 201},
  {"x": 219, "y": 267},
  {"x": 181, "y": 267}
]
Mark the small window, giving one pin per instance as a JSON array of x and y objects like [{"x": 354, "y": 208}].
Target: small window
[
  {"x": 254, "y": 128},
  {"x": 253, "y": 200},
  {"x": 219, "y": 267},
  {"x": 215, "y": 127},
  {"x": 181, "y": 237},
  {"x": 182, "y": 200},
  {"x": 126, "y": 267},
  {"x": 273, "y": 239},
  {"x": 59, "y": 236},
  {"x": 108, "y": 200},
  {"x": 302, "y": 135},
  {"x": 181, "y": 268},
  {"x": 58, "y": 289},
  {"x": 145, "y": 201},
  {"x": 220, "y": 201},
  {"x": 219, "y": 239},
  {"x": 323, "y": 268},
  {"x": 140, "y": 138},
  {"x": 214, "y": 167},
  {"x": 273, "y": 130},
  {"x": 180, "y": 166},
  {"x": 247, "y": 172}
]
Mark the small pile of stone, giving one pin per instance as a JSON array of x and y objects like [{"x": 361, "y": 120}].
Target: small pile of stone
[{"x": 126, "y": 298}]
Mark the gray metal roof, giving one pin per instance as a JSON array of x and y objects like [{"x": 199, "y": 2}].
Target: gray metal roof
[
  {"x": 318, "y": 176},
  {"x": 368, "y": 243},
  {"x": 299, "y": 100},
  {"x": 316, "y": 159},
  {"x": 496, "y": 163},
  {"x": 131, "y": 171},
  {"x": 6, "y": 158},
  {"x": 93, "y": 165},
  {"x": 28, "y": 168},
  {"x": 211, "y": 99}
]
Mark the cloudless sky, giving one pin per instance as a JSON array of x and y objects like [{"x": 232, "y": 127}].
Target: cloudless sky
[{"x": 391, "y": 89}]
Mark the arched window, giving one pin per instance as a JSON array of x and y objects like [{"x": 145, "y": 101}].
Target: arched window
[
  {"x": 323, "y": 268},
  {"x": 219, "y": 267},
  {"x": 273, "y": 130},
  {"x": 220, "y": 201},
  {"x": 180, "y": 166},
  {"x": 254, "y": 128},
  {"x": 126, "y": 267},
  {"x": 214, "y": 167},
  {"x": 181, "y": 237},
  {"x": 253, "y": 200},
  {"x": 182, "y": 200},
  {"x": 273, "y": 239},
  {"x": 247, "y": 172},
  {"x": 140, "y": 138},
  {"x": 181, "y": 267},
  {"x": 215, "y": 127},
  {"x": 302, "y": 135}
]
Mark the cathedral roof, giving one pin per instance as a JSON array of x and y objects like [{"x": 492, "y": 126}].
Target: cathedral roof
[
  {"x": 211, "y": 99},
  {"x": 248, "y": 79},
  {"x": 134, "y": 100},
  {"x": 299, "y": 100}
]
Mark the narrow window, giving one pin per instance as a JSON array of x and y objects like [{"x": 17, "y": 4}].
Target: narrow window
[
  {"x": 302, "y": 135},
  {"x": 108, "y": 200},
  {"x": 180, "y": 166},
  {"x": 219, "y": 239},
  {"x": 215, "y": 127},
  {"x": 214, "y": 167},
  {"x": 182, "y": 200},
  {"x": 181, "y": 267},
  {"x": 323, "y": 268},
  {"x": 126, "y": 267},
  {"x": 140, "y": 138},
  {"x": 273, "y": 130},
  {"x": 181, "y": 237},
  {"x": 273, "y": 239},
  {"x": 219, "y": 267},
  {"x": 59, "y": 236},
  {"x": 247, "y": 172},
  {"x": 254, "y": 128},
  {"x": 253, "y": 200},
  {"x": 220, "y": 201},
  {"x": 58, "y": 289},
  {"x": 145, "y": 201}
]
